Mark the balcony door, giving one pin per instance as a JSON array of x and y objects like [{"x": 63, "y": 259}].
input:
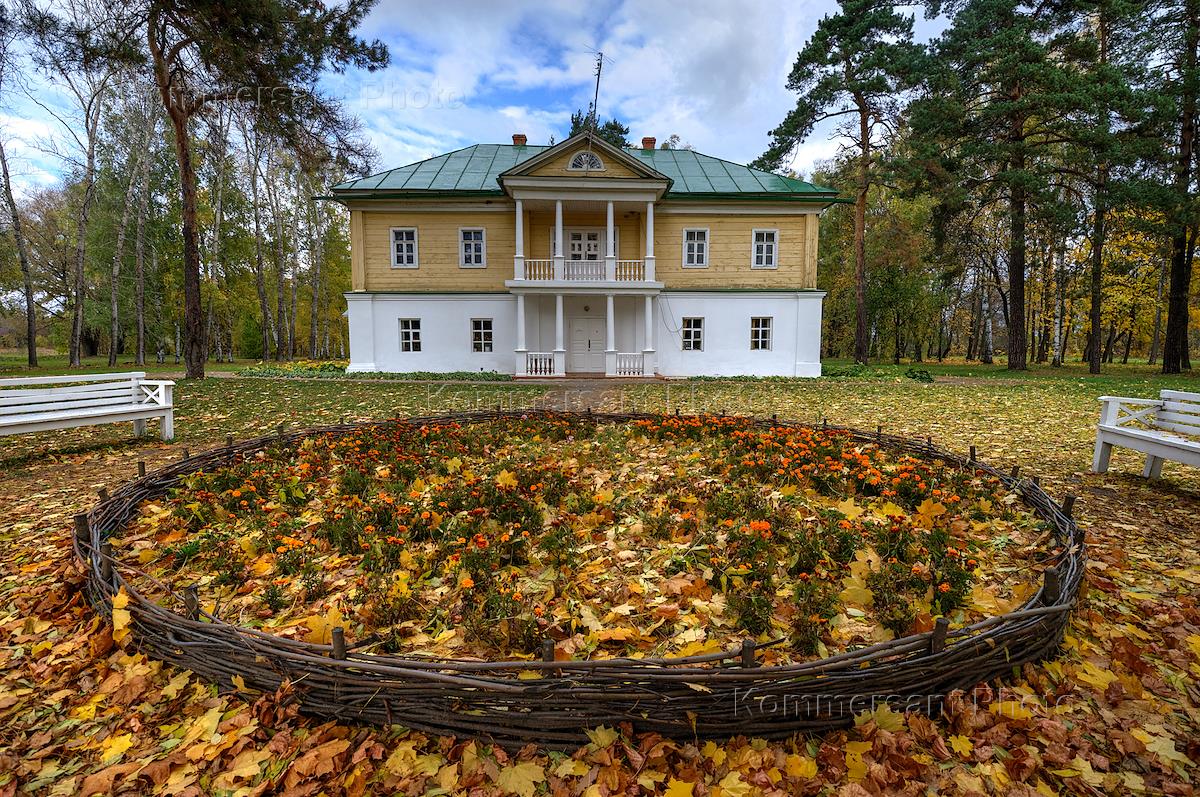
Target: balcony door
[
  {"x": 585, "y": 245},
  {"x": 585, "y": 352}
]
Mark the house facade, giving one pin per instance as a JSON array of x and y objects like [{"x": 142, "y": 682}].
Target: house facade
[{"x": 583, "y": 258}]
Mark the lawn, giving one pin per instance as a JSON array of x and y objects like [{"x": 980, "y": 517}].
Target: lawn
[{"x": 1118, "y": 712}]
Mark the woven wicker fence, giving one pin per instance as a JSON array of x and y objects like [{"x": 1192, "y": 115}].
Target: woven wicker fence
[{"x": 714, "y": 695}]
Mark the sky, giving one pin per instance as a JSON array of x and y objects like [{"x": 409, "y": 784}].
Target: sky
[{"x": 712, "y": 72}]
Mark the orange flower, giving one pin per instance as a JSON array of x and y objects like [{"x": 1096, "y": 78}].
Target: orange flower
[
  {"x": 466, "y": 582},
  {"x": 943, "y": 587}
]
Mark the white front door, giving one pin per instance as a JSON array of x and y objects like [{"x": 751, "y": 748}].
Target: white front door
[{"x": 585, "y": 353}]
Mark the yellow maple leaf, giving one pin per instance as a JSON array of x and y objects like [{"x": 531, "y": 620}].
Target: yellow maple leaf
[
  {"x": 520, "y": 779},
  {"x": 571, "y": 768},
  {"x": 717, "y": 754},
  {"x": 890, "y": 509},
  {"x": 120, "y": 616},
  {"x": 245, "y": 766},
  {"x": 848, "y": 508},
  {"x": 732, "y": 785},
  {"x": 506, "y": 479},
  {"x": 679, "y": 788},
  {"x": 928, "y": 511},
  {"x": 885, "y": 718},
  {"x": 961, "y": 745},
  {"x": 112, "y": 748},
  {"x": 1012, "y": 709},
  {"x": 801, "y": 766},
  {"x": 320, "y": 629},
  {"x": 601, "y": 737},
  {"x": 453, "y": 465}
]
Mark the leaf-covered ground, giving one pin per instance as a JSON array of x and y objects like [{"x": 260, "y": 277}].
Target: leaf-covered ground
[{"x": 1118, "y": 712}]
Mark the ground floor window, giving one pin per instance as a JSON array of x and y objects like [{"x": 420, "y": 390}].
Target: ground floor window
[
  {"x": 760, "y": 333},
  {"x": 693, "y": 334},
  {"x": 481, "y": 334},
  {"x": 410, "y": 334}
]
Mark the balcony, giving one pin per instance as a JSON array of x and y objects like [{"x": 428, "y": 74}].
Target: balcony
[{"x": 562, "y": 270}]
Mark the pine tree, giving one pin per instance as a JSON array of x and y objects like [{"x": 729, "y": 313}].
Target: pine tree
[{"x": 852, "y": 69}]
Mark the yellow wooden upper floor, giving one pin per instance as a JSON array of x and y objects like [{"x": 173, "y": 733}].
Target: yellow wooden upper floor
[{"x": 492, "y": 217}]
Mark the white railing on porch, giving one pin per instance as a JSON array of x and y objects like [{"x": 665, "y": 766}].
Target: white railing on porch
[
  {"x": 588, "y": 270},
  {"x": 539, "y": 363},
  {"x": 631, "y": 270},
  {"x": 631, "y": 364},
  {"x": 585, "y": 270}
]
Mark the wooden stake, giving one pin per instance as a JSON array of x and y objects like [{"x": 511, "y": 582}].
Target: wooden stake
[
  {"x": 878, "y": 432},
  {"x": 1052, "y": 587},
  {"x": 748, "y": 647},
  {"x": 1068, "y": 505},
  {"x": 338, "y": 638},
  {"x": 141, "y": 469},
  {"x": 1037, "y": 481},
  {"x": 229, "y": 441},
  {"x": 1015, "y": 470},
  {"x": 186, "y": 454},
  {"x": 106, "y": 569},
  {"x": 83, "y": 532},
  {"x": 191, "y": 602},
  {"x": 937, "y": 642},
  {"x": 103, "y": 491},
  {"x": 971, "y": 456}
]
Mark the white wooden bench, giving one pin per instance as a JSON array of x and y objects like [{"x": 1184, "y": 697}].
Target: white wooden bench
[
  {"x": 1164, "y": 428},
  {"x": 36, "y": 404}
]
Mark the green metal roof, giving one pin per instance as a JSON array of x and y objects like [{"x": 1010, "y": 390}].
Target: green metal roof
[{"x": 474, "y": 170}]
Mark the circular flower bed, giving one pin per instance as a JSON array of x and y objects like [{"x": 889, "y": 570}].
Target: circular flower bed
[{"x": 672, "y": 572}]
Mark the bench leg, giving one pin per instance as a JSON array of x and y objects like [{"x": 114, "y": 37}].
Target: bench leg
[
  {"x": 1102, "y": 456},
  {"x": 167, "y": 426},
  {"x": 139, "y": 428},
  {"x": 1153, "y": 469}
]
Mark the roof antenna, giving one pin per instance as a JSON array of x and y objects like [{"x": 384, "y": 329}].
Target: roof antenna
[{"x": 595, "y": 111}]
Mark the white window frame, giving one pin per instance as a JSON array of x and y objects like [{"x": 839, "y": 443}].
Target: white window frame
[
  {"x": 571, "y": 167},
  {"x": 462, "y": 252},
  {"x": 601, "y": 231},
  {"x": 697, "y": 336},
  {"x": 768, "y": 329},
  {"x": 414, "y": 335},
  {"x": 774, "y": 248},
  {"x": 416, "y": 249},
  {"x": 478, "y": 341},
  {"x": 683, "y": 256}
]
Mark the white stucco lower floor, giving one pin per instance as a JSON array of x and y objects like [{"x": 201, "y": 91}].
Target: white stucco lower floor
[{"x": 582, "y": 344}]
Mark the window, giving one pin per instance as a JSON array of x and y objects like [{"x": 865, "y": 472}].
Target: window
[
  {"x": 695, "y": 248},
  {"x": 472, "y": 250},
  {"x": 693, "y": 334},
  {"x": 481, "y": 334},
  {"x": 760, "y": 334},
  {"x": 586, "y": 161},
  {"x": 410, "y": 334},
  {"x": 404, "y": 247},
  {"x": 765, "y": 245}
]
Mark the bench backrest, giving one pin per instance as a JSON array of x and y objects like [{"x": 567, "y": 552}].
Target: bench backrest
[
  {"x": 1180, "y": 412},
  {"x": 33, "y": 395}
]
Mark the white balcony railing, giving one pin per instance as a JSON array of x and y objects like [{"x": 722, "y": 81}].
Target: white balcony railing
[
  {"x": 539, "y": 269},
  {"x": 631, "y": 270},
  {"x": 631, "y": 364},
  {"x": 584, "y": 270},
  {"x": 539, "y": 363}
]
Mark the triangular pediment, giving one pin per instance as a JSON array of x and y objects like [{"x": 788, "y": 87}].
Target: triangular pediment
[{"x": 585, "y": 155}]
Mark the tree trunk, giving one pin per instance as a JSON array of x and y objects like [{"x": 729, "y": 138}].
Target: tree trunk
[
  {"x": 114, "y": 282},
  {"x": 1016, "y": 249},
  {"x": 1175, "y": 344},
  {"x": 1155, "y": 339},
  {"x": 260, "y": 282},
  {"x": 139, "y": 248},
  {"x": 316, "y": 254},
  {"x": 89, "y": 194},
  {"x": 985, "y": 342},
  {"x": 23, "y": 258},
  {"x": 860, "y": 237}
]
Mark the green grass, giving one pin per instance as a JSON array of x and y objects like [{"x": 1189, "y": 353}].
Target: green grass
[{"x": 14, "y": 364}]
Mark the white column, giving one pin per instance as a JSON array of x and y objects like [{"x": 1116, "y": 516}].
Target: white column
[
  {"x": 648, "y": 345},
  {"x": 650, "y": 241},
  {"x": 610, "y": 251},
  {"x": 521, "y": 353},
  {"x": 610, "y": 343},
  {"x": 560, "y": 352},
  {"x": 519, "y": 250},
  {"x": 558, "y": 241}
]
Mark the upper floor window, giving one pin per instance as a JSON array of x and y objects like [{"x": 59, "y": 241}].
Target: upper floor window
[
  {"x": 760, "y": 334},
  {"x": 586, "y": 161},
  {"x": 481, "y": 334},
  {"x": 472, "y": 249},
  {"x": 766, "y": 246},
  {"x": 404, "y": 247},
  {"x": 410, "y": 334},
  {"x": 695, "y": 248},
  {"x": 693, "y": 334}
]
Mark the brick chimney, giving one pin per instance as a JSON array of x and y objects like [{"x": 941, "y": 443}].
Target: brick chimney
[
  {"x": 519, "y": 139},
  {"x": 647, "y": 142}
]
